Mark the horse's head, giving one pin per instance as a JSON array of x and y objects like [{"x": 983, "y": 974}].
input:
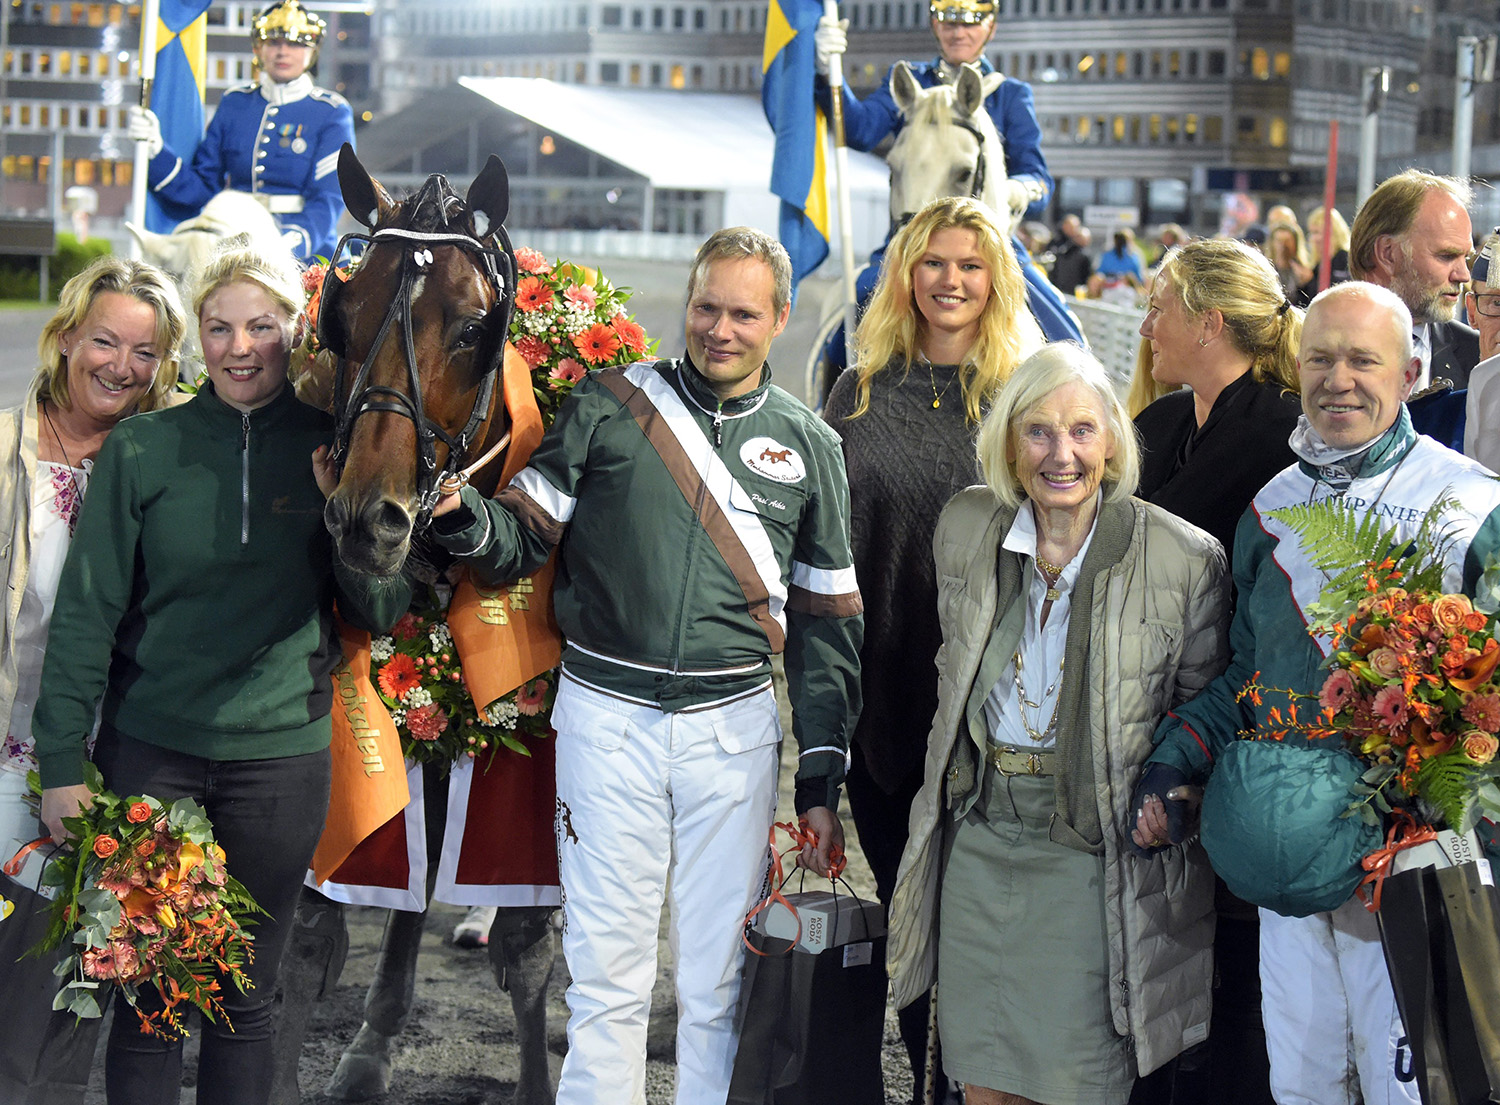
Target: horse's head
[
  {"x": 948, "y": 145},
  {"x": 419, "y": 330}
]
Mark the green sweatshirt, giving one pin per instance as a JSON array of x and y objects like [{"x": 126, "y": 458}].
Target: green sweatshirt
[{"x": 197, "y": 596}]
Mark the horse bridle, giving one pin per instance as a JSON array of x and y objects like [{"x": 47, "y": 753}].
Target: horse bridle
[
  {"x": 976, "y": 190},
  {"x": 499, "y": 266}
]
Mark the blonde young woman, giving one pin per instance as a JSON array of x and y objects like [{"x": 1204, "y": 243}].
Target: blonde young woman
[
  {"x": 109, "y": 351},
  {"x": 946, "y": 326},
  {"x": 206, "y": 631}
]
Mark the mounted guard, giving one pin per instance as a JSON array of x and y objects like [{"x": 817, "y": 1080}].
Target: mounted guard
[
  {"x": 277, "y": 139},
  {"x": 963, "y": 28}
]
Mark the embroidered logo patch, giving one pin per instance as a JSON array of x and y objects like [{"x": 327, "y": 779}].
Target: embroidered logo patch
[{"x": 765, "y": 456}]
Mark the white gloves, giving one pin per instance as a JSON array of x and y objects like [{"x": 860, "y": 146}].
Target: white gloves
[
  {"x": 830, "y": 38},
  {"x": 1017, "y": 197},
  {"x": 145, "y": 127},
  {"x": 292, "y": 239}
]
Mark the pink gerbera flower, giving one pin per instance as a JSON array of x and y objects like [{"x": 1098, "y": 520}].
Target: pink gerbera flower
[
  {"x": 568, "y": 370},
  {"x": 1337, "y": 692},
  {"x": 531, "y": 697},
  {"x": 1390, "y": 708}
]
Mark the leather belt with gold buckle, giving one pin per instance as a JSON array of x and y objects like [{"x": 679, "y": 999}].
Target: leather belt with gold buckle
[{"x": 1016, "y": 761}]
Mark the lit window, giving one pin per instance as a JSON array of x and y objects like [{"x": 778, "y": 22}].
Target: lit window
[
  {"x": 679, "y": 78},
  {"x": 1278, "y": 131}
]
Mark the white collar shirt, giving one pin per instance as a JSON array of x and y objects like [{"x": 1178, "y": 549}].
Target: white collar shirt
[{"x": 1042, "y": 648}]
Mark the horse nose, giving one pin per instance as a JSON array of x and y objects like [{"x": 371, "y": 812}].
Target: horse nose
[
  {"x": 336, "y": 515},
  {"x": 386, "y": 521}
]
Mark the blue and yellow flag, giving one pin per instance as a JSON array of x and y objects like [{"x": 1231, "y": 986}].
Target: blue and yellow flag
[
  {"x": 177, "y": 95},
  {"x": 799, "y": 168}
]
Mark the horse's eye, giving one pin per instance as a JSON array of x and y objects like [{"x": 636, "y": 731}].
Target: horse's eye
[{"x": 470, "y": 335}]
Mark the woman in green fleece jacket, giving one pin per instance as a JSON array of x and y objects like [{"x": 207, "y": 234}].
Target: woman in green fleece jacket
[{"x": 196, "y": 614}]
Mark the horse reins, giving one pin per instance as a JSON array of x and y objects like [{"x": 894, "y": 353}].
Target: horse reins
[{"x": 364, "y": 397}]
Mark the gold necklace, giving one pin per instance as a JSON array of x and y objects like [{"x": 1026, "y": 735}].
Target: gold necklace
[
  {"x": 1050, "y": 574},
  {"x": 1027, "y": 704},
  {"x": 937, "y": 398}
]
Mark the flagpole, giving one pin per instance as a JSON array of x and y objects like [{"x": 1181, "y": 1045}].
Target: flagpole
[
  {"x": 841, "y": 184},
  {"x": 150, "y": 13}
]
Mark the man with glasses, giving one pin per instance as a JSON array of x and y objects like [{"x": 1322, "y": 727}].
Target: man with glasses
[
  {"x": 1414, "y": 237},
  {"x": 1482, "y": 416}
]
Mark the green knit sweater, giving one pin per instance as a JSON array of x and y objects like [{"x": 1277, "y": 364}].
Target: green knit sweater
[{"x": 197, "y": 597}]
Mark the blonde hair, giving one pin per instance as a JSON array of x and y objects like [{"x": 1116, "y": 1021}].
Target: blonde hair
[
  {"x": 1338, "y": 239},
  {"x": 1392, "y": 208},
  {"x": 1038, "y": 376},
  {"x": 238, "y": 262},
  {"x": 892, "y": 327},
  {"x": 140, "y": 281},
  {"x": 1224, "y": 275},
  {"x": 1145, "y": 388}
]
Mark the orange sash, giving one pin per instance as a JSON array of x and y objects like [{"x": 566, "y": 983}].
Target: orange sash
[
  {"x": 504, "y": 636},
  {"x": 369, "y": 772}
]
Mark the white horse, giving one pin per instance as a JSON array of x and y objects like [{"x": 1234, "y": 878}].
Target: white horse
[
  {"x": 192, "y": 241},
  {"x": 948, "y": 145}
]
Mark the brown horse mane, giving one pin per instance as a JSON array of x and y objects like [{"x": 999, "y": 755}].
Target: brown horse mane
[{"x": 434, "y": 208}]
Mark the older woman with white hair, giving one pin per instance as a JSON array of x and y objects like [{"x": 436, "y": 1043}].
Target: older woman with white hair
[{"x": 1074, "y": 616}]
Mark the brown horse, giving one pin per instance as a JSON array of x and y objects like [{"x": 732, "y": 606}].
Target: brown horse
[{"x": 418, "y": 336}]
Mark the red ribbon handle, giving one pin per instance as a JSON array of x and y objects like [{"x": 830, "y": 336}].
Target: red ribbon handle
[
  {"x": 16, "y": 862},
  {"x": 803, "y": 835},
  {"x": 1405, "y": 833}
]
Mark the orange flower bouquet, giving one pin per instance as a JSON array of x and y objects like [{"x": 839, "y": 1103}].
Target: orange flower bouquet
[
  {"x": 1412, "y": 687},
  {"x": 568, "y": 320},
  {"x": 144, "y": 899}
]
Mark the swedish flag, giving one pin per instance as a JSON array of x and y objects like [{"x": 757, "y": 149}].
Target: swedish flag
[
  {"x": 177, "y": 95},
  {"x": 799, "y": 168}
]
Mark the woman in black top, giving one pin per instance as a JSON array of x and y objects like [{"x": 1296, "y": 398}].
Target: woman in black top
[{"x": 1220, "y": 324}]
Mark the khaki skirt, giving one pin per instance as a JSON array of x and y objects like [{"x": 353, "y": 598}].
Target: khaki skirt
[{"x": 1023, "y": 964}]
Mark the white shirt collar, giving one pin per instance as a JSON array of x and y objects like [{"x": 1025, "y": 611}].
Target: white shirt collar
[
  {"x": 1022, "y": 539},
  {"x": 288, "y": 93},
  {"x": 1421, "y": 347}
]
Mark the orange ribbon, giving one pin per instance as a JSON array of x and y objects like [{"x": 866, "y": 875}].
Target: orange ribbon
[
  {"x": 803, "y": 835},
  {"x": 13, "y": 865},
  {"x": 1405, "y": 833}
]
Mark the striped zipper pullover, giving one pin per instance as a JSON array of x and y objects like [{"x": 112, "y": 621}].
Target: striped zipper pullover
[{"x": 697, "y": 539}]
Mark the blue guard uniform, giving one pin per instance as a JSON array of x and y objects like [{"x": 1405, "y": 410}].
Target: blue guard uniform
[{"x": 276, "y": 141}]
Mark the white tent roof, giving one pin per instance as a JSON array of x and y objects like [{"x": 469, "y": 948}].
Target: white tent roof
[{"x": 705, "y": 141}]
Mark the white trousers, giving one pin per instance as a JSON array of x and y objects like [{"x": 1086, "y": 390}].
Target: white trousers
[
  {"x": 1332, "y": 1028},
  {"x": 647, "y": 799}
]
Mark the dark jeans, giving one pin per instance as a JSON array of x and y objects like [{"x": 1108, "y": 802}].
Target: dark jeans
[
  {"x": 882, "y": 822},
  {"x": 267, "y": 816}
]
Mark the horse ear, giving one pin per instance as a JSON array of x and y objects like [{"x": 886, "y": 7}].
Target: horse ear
[
  {"x": 968, "y": 91},
  {"x": 489, "y": 197},
  {"x": 366, "y": 200},
  {"x": 904, "y": 87}
]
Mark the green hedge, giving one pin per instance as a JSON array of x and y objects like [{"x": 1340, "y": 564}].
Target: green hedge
[{"x": 20, "y": 277}]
